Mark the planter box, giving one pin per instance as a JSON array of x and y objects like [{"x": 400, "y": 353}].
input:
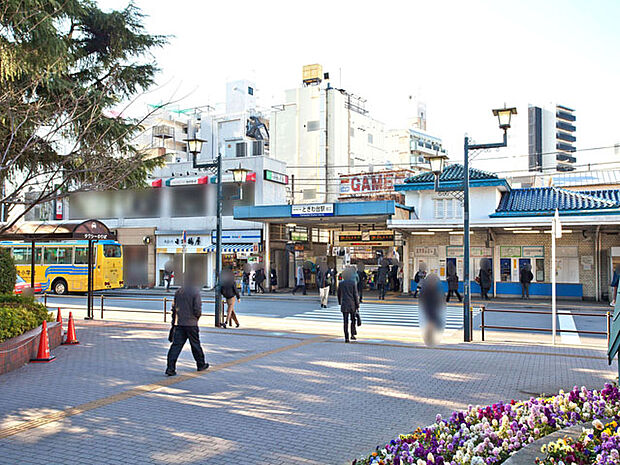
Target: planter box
[{"x": 18, "y": 351}]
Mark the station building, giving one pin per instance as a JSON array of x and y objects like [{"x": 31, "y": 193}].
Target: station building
[{"x": 511, "y": 227}]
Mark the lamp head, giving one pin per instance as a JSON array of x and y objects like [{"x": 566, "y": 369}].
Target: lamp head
[
  {"x": 194, "y": 144},
  {"x": 504, "y": 115},
  {"x": 436, "y": 162},
  {"x": 239, "y": 174}
]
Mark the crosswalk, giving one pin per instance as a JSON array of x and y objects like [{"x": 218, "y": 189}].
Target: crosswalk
[{"x": 385, "y": 314}]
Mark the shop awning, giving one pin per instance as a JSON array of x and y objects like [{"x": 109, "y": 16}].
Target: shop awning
[{"x": 233, "y": 248}]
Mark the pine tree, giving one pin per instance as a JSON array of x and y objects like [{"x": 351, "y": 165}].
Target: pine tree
[{"x": 64, "y": 64}]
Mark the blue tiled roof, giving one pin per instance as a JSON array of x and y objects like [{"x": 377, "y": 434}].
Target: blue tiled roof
[
  {"x": 452, "y": 172},
  {"x": 548, "y": 199}
]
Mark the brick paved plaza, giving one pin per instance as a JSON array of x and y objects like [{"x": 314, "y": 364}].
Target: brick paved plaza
[{"x": 269, "y": 398}]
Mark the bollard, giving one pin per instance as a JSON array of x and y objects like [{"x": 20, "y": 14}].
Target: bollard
[
  {"x": 471, "y": 321},
  {"x": 608, "y": 327},
  {"x": 165, "y": 302},
  {"x": 102, "y": 306},
  {"x": 45, "y": 299},
  {"x": 482, "y": 308}
]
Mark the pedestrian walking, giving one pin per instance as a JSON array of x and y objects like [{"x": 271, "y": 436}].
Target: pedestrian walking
[
  {"x": 187, "y": 309},
  {"x": 323, "y": 280},
  {"x": 431, "y": 302},
  {"x": 348, "y": 300},
  {"x": 382, "y": 276},
  {"x": 453, "y": 283},
  {"x": 231, "y": 294},
  {"x": 394, "y": 276},
  {"x": 484, "y": 276},
  {"x": 333, "y": 279},
  {"x": 401, "y": 278},
  {"x": 300, "y": 281},
  {"x": 525, "y": 278},
  {"x": 419, "y": 278},
  {"x": 259, "y": 278},
  {"x": 273, "y": 280},
  {"x": 361, "y": 283},
  {"x": 245, "y": 282},
  {"x": 614, "y": 285}
]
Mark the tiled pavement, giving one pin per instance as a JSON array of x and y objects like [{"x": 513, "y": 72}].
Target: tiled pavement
[{"x": 271, "y": 399}]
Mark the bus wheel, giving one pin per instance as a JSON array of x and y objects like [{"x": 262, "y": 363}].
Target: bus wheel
[{"x": 60, "y": 286}]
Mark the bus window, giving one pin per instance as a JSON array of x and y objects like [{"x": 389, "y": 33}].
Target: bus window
[
  {"x": 81, "y": 255},
  {"x": 112, "y": 251},
  {"x": 22, "y": 255},
  {"x": 57, "y": 255},
  {"x": 63, "y": 255}
]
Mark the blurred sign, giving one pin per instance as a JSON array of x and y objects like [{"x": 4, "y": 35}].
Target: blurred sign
[
  {"x": 533, "y": 251},
  {"x": 59, "y": 209},
  {"x": 425, "y": 251},
  {"x": 275, "y": 177},
  {"x": 323, "y": 209},
  {"x": 239, "y": 236},
  {"x": 510, "y": 251}
]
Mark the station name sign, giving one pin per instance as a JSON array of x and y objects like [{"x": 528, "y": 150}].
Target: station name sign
[{"x": 323, "y": 209}]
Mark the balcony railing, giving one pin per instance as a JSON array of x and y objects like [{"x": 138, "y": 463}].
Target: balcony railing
[
  {"x": 565, "y": 147},
  {"x": 565, "y": 116},
  {"x": 565, "y": 136},
  {"x": 565, "y": 126}
]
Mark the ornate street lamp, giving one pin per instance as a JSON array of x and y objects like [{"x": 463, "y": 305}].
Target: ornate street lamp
[
  {"x": 436, "y": 162},
  {"x": 194, "y": 145},
  {"x": 239, "y": 176}
]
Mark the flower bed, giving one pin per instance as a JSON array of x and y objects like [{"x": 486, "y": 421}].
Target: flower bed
[
  {"x": 598, "y": 445},
  {"x": 489, "y": 435}
]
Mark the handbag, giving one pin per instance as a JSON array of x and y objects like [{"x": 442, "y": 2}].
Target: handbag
[
  {"x": 171, "y": 333},
  {"x": 358, "y": 318}
]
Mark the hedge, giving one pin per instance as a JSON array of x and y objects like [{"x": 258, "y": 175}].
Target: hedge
[
  {"x": 20, "y": 314},
  {"x": 8, "y": 275}
]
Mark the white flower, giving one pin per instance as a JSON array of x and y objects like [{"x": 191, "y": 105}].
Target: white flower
[{"x": 598, "y": 424}]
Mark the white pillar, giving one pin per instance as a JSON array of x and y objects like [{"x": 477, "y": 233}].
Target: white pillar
[
  {"x": 406, "y": 271},
  {"x": 267, "y": 255},
  {"x": 553, "y": 279}
]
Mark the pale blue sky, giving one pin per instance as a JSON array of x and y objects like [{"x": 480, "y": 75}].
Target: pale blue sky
[{"x": 461, "y": 57}]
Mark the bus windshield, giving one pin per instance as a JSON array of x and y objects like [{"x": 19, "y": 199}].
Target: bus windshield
[{"x": 112, "y": 251}]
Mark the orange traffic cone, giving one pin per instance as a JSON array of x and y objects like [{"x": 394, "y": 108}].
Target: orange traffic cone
[
  {"x": 58, "y": 317},
  {"x": 71, "y": 336},
  {"x": 43, "y": 354}
]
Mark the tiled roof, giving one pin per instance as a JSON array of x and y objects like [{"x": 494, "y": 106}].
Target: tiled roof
[
  {"x": 587, "y": 178},
  {"x": 452, "y": 172},
  {"x": 548, "y": 199}
]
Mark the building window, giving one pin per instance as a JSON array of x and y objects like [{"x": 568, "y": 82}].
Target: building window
[
  {"x": 352, "y": 132},
  {"x": 251, "y": 90},
  {"x": 448, "y": 209},
  {"x": 312, "y": 125},
  {"x": 257, "y": 148},
  {"x": 240, "y": 149},
  {"x": 370, "y": 138}
]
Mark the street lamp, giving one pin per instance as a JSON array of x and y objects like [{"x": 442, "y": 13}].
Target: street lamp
[
  {"x": 437, "y": 162},
  {"x": 504, "y": 116},
  {"x": 194, "y": 145},
  {"x": 239, "y": 177}
]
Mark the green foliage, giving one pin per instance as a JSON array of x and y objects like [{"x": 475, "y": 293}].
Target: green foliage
[
  {"x": 8, "y": 273},
  {"x": 20, "y": 314},
  {"x": 65, "y": 66}
]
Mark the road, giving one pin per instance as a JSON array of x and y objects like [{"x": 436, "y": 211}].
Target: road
[{"x": 396, "y": 311}]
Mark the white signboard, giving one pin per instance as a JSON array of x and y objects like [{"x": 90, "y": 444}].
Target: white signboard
[
  {"x": 323, "y": 209},
  {"x": 425, "y": 251}
]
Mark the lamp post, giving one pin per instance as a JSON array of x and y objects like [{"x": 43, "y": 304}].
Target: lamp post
[
  {"x": 436, "y": 161},
  {"x": 194, "y": 145}
]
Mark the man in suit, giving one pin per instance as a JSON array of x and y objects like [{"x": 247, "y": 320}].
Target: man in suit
[{"x": 349, "y": 301}]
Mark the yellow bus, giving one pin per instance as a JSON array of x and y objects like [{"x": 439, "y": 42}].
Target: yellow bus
[{"x": 62, "y": 266}]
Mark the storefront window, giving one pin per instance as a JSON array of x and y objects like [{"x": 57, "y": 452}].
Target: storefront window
[{"x": 188, "y": 201}]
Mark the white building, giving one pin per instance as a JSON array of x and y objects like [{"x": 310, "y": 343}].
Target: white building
[{"x": 322, "y": 132}]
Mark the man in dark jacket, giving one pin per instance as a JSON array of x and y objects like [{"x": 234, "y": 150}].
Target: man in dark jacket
[
  {"x": 525, "y": 278},
  {"x": 349, "y": 303},
  {"x": 382, "y": 276},
  {"x": 188, "y": 309},
  {"x": 484, "y": 276},
  {"x": 453, "y": 282}
]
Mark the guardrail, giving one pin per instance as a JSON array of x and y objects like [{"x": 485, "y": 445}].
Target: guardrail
[
  {"x": 102, "y": 298},
  {"x": 484, "y": 326}
]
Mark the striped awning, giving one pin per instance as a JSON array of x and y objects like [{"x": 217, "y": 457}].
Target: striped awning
[{"x": 233, "y": 248}]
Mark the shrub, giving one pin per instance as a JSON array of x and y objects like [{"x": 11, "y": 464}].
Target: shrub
[
  {"x": 20, "y": 314},
  {"x": 8, "y": 273}
]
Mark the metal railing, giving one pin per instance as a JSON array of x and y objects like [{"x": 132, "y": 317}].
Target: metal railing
[
  {"x": 484, "y": 326},
  {"x": 166, "y": 304}
]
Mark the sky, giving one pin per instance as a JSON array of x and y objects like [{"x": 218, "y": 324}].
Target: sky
[{"x": 462, "y": 58}]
